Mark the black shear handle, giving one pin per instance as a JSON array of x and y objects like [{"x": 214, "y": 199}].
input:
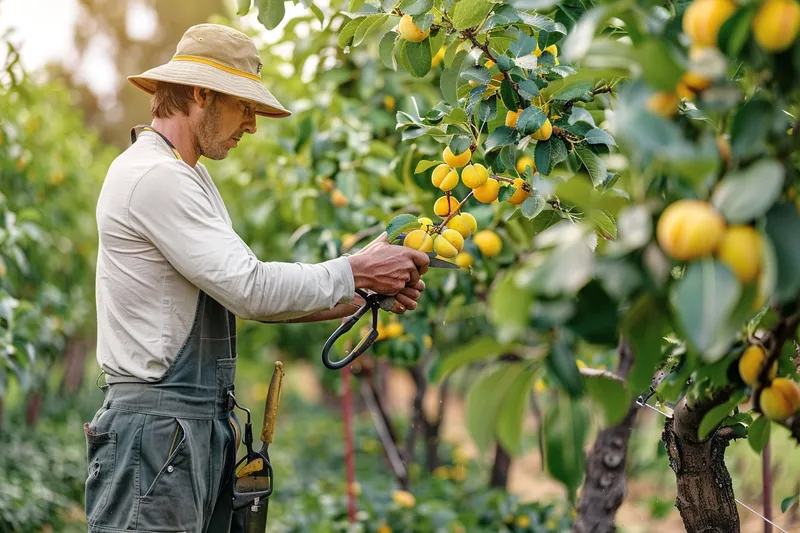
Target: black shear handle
[{"x": 373, "y": 303}]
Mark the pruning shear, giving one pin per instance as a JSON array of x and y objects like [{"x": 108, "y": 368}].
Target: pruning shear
[{"x": 374, "y": 301}]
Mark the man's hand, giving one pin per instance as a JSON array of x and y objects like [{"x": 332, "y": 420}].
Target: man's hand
[{"x": 392, "y": 270}]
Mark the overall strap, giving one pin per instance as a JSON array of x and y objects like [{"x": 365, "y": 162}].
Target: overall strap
[{"x": 141, "y": 128}]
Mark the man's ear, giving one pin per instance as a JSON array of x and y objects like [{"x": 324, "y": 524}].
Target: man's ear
[{"x": 202, "y": 96}]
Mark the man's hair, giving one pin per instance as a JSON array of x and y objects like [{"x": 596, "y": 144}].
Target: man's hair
[{"x": 171, "y": 98}]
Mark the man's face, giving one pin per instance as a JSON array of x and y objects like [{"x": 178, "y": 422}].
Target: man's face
[{"x": 222, "y": 123}]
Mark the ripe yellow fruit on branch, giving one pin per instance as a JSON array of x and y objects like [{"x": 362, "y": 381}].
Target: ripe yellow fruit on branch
[
  {"x": 425, "y": 223},
  {"x": 474, "y": 176},
  {"x": 394, "y": 329},
  {"x": 751, "y": 362},
  {"x": 776, "y": 24},
  {"x": 543, "y": 133},
  {"x": 740, "y": 249},
  {"x": 488, "y": 192},
  {"x": 665, "y": 103},
  {"x": 460, "y": 224},
  {"x": 419, "y": 240},
  {"x": 444, "y": 177},
  {"x": 781, "y": 399},
  {"x": 703, "y": 19},
  {"x": 403, "y": 498},
  {"x": 488, "y": 242},
  {"x": 448, "y": 243},
  {"x": 472, "y": 224},
  {"x": 411, "y": 31},
  {"x": 512, "y": 117},
  {"x": 521, "y": 194},
  {"x": 445, "y": 205},
  {"x": 338, "y": 198},
  {"x": 688, "y": 229},
  {"x": 525, "y": 161},
  {"x": 464, "y": 260},
  {"x": 456, "y": 161},
  {"x": 439, "y": 57}
]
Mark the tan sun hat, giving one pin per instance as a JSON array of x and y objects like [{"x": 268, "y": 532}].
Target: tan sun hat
[{"x": 220, "y": 58}]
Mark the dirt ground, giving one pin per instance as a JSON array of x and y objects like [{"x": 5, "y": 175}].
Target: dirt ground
[{"x": 526, "y": 477}]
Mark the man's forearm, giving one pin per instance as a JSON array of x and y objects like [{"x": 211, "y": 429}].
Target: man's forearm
[{"x": 341, "y": 310}]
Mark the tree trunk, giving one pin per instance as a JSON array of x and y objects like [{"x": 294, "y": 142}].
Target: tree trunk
[
  {"x": 502, "y": 463},
  {"x": 417, "y": 412},
  {"x": 74, "y": 365},
  {"x": 33, "y": 408},
  {"x": 705, "y": 496},
  {"x": 605, "y": 485}
]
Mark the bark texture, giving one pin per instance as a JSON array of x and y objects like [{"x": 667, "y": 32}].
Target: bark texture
[
  {"x": 705, "y": 496},
  {"x": 605, "y": 486}
]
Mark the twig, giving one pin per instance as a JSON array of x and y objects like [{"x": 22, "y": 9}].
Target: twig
[
  {"x": 360, "y": 234},
  {"x": 453, "y": 213}
]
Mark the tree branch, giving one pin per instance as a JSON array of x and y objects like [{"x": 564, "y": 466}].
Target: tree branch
[{"x": 775, "y": 339}]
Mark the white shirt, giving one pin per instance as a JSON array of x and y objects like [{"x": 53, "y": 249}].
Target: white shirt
[{"x": 165, "y": 234}]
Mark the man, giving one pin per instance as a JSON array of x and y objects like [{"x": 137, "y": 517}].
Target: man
[{"x": 171, "y": 277}]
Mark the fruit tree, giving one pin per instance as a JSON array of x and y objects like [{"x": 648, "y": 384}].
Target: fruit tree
[{"x": 624, "y": 178}]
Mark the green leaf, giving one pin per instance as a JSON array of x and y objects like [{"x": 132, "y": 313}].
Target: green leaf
[
  {"x": 423, "y": 22},
  {"x": 501, "y": 136},
  {"x": 610, "y": 394},
  {"x": 758, "y": 433},
  {"x": 451, "y": 52},
  {"x": 715, "y": 416},
  {"x": 659, "y": 66},
  {"x": 579, "y": 90},
  {"x": 416, "y": 7},
  {"x": 533, "y": 205},
  {"x": 243, "y": 7},
  {"x": 528, "y": 89},
  {"x": 531, "y": 120},
  {"x": 400, "y": 224},
  {"x": 424, "y": 165},
  {"x": 703, "y": 300},
  {"x": 448, "y": 81},
  {"x": 506, "y": 192},
  {"x": 460, "y": 143},
  {"x": 348, "y": 31},
  {"x": 386, "y": 50},
  {"x": 508, "y": 95},
  {"x": 644, "y": 326},
  {"x": 598, "y": 136},
  {"x": 509, "y": 308},
  {"x": 750, "y": 127},
  {"x": 484, "y": 401},
  {"x": 734, "y": 32},
  {"x": 582, "y": 34},
  {"x": 560, "y": 362},
  {"x": 565, "y": 426},
  {"x": 594, "y": 165},
  {"x": 787, "y": 503},
  {"x": 603, "y": 223},
  {"x": 419, "y": 57},
  {"x": 511, "y": 416},
  {"x": 478, "y": 74},
  {"x": 783, "y": 227},
  {"x": 487, "y": 109},
  {"x": 543, "y": 23},
  {"x": 468, "y": 13},
  {"x": 369, "y": 26},
  {"x": 479, "y": 349},
  {"x": 354, "y": 5},
  {"x": 270, "y": 13},
  {"x": 543, "y": 156},
  {"x": 318, "y": 13},
  {"x": 749, "y": 193}
]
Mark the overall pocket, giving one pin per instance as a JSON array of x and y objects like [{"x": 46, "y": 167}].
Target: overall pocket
[
  {"x": 169, "y": 502},
  {"x": 101, "y": 461}
]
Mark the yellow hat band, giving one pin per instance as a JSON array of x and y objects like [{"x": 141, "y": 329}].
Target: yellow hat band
[{"x": 220, "y": 66}]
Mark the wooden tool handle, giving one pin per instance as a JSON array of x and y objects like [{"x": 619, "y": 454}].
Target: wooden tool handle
[{"x": 271, "y": 407}]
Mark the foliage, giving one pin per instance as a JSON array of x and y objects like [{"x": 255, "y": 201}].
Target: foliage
[
  {"x": 642, "y": 118},
  {"x": 50, "y": 169}
]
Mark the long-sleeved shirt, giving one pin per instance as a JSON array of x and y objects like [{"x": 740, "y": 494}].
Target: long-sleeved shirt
[{"x": 164, "y": 235}]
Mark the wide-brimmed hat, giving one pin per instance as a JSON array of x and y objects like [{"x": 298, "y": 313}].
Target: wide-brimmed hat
[{"x": 220, "y": 58}]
